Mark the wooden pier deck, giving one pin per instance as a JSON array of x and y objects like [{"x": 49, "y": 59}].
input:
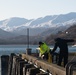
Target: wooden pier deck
[{"x": 24, "y": 64}]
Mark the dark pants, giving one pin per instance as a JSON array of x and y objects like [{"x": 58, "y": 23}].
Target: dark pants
[
  {"x": 55, "y": 57},
  {"x": 63, "y": 57}
]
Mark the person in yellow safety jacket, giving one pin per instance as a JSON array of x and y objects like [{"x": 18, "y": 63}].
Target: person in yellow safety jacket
[{"x": 45, "y": 51}]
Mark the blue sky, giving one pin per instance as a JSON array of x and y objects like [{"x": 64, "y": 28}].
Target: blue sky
[{"x": 32, "y": 9}]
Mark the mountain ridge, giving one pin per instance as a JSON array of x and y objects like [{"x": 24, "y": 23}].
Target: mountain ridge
[
  {"x": 47, "y": 21},
  {"x": 43, "y": 26}
]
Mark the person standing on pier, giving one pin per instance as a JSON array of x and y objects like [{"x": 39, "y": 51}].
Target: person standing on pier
[
  {"x": 45, "y": 51},
  {"x": 63, "y": 53}
]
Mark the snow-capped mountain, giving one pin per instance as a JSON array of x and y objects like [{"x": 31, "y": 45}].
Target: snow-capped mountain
[
  {"x": 5, "y": 34},
  {"x": 57, "y": 22}
]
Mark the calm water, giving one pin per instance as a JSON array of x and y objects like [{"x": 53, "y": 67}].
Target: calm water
[{"x": 7, "y": 49}]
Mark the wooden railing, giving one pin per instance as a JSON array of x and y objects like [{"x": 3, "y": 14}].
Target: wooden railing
[{"x": 24, "y": 64}]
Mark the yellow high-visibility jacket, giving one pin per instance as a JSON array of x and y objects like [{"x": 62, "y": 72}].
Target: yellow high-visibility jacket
[{"x": 44, "y": 48}]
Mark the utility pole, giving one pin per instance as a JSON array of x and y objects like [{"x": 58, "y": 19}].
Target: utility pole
[
  {"x": 28, "y": 38},
  {"x": 28, "y": 50}
]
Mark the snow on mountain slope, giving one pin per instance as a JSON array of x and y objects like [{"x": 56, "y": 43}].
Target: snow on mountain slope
[
  {"x": 5, "y": 34},
  {"x": 12, "y": 23},
  {"x": 18, "y": 25}
]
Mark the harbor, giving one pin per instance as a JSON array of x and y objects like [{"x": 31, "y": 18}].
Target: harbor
[{"x": 38, "y": 37}]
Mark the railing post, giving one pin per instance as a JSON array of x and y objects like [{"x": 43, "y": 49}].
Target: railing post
[
  {"x": 10, "y": 63},
  {"x": 4, "y": 64},
  {"x": 33, "y": 71},
  {"x": 26, "y": 66},
  {"x": 70, "y": 67}
]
